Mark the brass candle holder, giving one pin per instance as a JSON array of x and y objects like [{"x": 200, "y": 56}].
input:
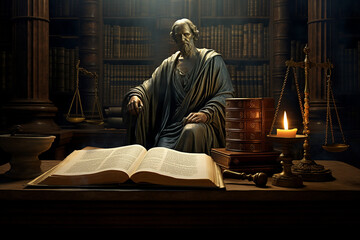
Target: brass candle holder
[
  {"x": 286, "y": 178},
  {"x": 307, "y": 167}
]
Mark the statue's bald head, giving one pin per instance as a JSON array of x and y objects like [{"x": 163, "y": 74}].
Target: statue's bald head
[{"x": 190, "y": 24}]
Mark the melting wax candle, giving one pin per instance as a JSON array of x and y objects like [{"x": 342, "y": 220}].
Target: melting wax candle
[{"x": 286, "y": 132}]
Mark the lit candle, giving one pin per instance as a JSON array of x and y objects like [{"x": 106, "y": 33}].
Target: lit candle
[{"x": 286, "y": 132}]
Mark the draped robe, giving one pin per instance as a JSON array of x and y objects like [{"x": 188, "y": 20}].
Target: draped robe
[{"x": 169, "y": 97}]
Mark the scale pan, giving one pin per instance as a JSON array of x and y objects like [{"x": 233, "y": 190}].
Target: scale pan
[
  {"x": 336, "y": 147},
  {"x": 96, "y": 122},
  {"x": 75, "y": 119}
]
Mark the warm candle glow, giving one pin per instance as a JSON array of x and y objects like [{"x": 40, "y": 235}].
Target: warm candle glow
[
  {"x": 286, "y": 126},
  {"x": 286, "y": 132}
]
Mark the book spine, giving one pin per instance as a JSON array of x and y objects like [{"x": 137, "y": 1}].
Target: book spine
[
  {"x": 260, "y": 40},
  {"x": 245, "y": 42}
]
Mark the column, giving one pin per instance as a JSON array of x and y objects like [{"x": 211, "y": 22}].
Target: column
[
  {"x": 89, "y": 52},
  {"x": 280, "y": 43},
  {"x": 30, "y": 105},
  {"x": 322, "y": 43}
]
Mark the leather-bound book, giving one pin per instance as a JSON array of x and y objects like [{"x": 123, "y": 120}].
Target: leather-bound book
[
  {"x": 247, "y": 162},
  {"x": 248, "y": 121}
]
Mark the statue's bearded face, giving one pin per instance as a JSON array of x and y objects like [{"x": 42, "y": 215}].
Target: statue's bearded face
[{"x": 184, "y": 39}]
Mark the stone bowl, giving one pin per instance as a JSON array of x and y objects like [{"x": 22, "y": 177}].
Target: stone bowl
[{"x": 25, "y": 150}]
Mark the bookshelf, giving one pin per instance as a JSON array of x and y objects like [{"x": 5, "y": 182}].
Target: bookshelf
[
  {"x": 135, "y": 40},
  {"x": 239, "y": 30},
  {"x": 63, "y": 53},
  {"x": 136, "y": 34},
  {"x": 64, "y": 41},
  {"x": 128, "y": 29}
]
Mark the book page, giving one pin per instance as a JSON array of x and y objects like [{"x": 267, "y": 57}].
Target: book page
[
  {"x": 177, "y": 164},
  {"x": 97, "y": 160}
]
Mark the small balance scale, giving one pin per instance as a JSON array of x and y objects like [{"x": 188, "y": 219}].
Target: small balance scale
[
  {"x": 76, "y": 112},
  {"x": 307, "y": 169}
]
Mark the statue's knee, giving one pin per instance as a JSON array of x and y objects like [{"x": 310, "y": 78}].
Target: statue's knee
[
  {"x": 193, "y": 130},
  {"x": 188, "y": 129}
]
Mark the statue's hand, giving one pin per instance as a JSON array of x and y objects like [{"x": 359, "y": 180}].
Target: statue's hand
[
  {"x": 135, "y": 105},
  {"x": 198, "y": 117}
]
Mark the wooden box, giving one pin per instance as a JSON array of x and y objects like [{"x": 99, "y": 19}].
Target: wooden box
[{"x": 248, "y": 121}]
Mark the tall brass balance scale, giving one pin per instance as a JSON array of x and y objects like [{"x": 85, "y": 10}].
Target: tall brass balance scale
[{"x": 306, "y": 169}]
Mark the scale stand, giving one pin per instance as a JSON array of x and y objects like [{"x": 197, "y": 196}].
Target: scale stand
[{"x": 308, "y": 168}]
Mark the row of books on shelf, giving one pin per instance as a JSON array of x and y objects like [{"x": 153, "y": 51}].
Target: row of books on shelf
[
  {"x": 348, "y": 81},
  {"x": 213, "y": 8},
  {"x": 250, "y": 81},
  {"x": 62, "y": 72},
  {"x": 126, "y": 42},
  {"x": 119, "y": 79},
  {"x": 250, "y": 40},
  {"x": 63, "y": 8}
]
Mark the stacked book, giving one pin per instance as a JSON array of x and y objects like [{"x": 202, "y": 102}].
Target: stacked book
[{"x": 247, "y": 122}]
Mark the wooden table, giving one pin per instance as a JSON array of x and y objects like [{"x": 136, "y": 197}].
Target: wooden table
[{"x": 317, "y": 204}]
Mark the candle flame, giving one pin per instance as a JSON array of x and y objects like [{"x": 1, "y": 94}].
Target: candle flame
[{"x": 286, "y": 126}]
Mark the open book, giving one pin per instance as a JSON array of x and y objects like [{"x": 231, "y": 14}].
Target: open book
[{"x": 117, "y": 165}]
